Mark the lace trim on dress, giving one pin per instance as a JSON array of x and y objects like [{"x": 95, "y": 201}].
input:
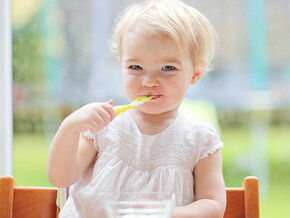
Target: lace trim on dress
[
  {"x": 182, "y": 145},
  {"x": 210, "y": 140}
]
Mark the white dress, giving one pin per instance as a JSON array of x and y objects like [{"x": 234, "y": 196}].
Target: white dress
[{"x": 129, "y": 161}]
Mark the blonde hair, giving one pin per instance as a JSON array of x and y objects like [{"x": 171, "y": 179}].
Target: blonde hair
[{"x": 173, "y": 18}]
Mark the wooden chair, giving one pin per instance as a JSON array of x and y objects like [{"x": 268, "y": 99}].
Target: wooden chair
[
  {"x": 37, "y": 202},
  {"x": 243, "y": 202},
  {"x": 26, "y": 202}
]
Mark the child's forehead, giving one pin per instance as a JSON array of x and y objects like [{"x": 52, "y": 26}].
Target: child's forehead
[
  {"x": 151, "y": 37},
  {"x": 142, "y": 45},
  {"x": 147, "y": 40},
  {"x": 155, "y": 34}
]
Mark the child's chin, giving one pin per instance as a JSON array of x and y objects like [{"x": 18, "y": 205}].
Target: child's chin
[{"x": 153, "y": 110}]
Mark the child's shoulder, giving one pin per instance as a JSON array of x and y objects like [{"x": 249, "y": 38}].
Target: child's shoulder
[
  {"x": 200, "y": 131},
  {"x": 196, "y": 125}
]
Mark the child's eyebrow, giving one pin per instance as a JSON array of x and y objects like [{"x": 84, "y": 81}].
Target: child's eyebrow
[
  {"x": 162, "y": 60},
  {"x": 131, "y": 59},
  {"x": 171, "y": 60}
]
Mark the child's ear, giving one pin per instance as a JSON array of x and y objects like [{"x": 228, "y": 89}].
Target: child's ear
[
  {"x": 196, "y": 76},
  {"x": 198, "y": 72}
]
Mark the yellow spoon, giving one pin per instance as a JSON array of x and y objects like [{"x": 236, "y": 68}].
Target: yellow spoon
[
  {"x": 122, "y": 108},
  {"x": 138, "y": 101}
]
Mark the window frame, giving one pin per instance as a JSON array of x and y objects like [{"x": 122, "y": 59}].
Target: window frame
[{"x": 6, "y": 97}]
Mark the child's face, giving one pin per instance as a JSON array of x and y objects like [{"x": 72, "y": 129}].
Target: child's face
[{"x": 152, "y": 65}]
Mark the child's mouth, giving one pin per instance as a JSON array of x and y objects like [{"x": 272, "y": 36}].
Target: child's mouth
[{"x": 155, "y": 97}]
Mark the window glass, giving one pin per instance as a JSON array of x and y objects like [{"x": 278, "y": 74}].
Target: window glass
[{"x": 61, "y": 61}]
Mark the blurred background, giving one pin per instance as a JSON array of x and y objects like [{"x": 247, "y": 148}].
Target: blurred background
[{"x": 61, "y": 61}]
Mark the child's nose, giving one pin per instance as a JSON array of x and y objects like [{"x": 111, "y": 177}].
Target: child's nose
[{"x": 150, "y": 81}]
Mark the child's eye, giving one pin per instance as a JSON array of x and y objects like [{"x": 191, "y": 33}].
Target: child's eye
[
  {"x": 135, "y": 67},
  {"x": 168, "y": 68}
]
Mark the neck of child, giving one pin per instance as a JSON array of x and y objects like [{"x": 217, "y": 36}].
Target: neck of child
[{"x": 152, "y": 124}]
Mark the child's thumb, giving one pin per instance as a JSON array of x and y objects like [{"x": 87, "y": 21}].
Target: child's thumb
[{"x": 111, "y": 102}]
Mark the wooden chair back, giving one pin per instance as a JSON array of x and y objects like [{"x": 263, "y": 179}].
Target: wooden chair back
[
  {"x": 28, "y": 202},
  {"x": 243, "y": 202},
  {"x": 40, "y": 202}
]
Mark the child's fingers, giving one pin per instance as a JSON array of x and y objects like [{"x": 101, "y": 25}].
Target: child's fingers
[
  {"x": 94, "y": 127},
  {"x": 111, "y": 102},
  {"x": 94, "y": 116},
  {"x": 108, "y": 106},
  {"x": 97, "y": 123},
  {"x": 103, "y": 116}
]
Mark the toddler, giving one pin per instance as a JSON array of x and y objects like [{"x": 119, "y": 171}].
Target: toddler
[{"x": 163, "y": 46}]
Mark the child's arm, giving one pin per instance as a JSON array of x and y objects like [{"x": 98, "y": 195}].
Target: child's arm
[
  {"x": 71, "y": 153},
  {"x": 209, "y": 190}
]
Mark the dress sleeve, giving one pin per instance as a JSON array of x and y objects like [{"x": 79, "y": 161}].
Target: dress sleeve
[
  {"x": 209, "y": 140},
  {"x": 94, "y": 136}
]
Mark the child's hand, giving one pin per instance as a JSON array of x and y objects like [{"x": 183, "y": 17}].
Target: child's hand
[{"x": 93, "y": 117}]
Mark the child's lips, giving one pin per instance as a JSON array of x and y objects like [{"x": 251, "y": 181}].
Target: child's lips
[{"x": 155, "y": 97}]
